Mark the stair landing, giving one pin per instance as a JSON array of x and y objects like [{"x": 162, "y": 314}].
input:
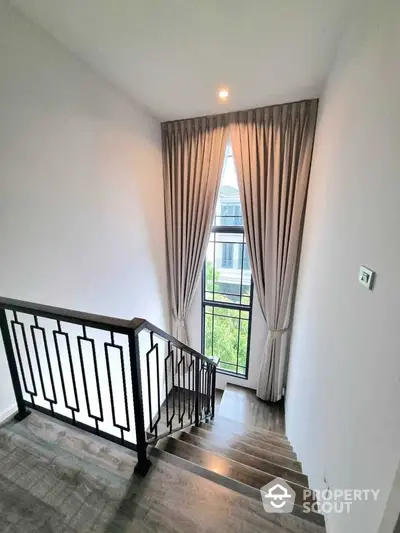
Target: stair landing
[{"x": 242, "y": 405}]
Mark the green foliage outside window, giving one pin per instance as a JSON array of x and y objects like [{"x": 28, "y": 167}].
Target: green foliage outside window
[{"x": 226, "y": 337}]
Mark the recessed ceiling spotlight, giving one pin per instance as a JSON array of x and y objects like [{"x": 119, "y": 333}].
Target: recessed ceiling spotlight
[{"x": 223, "y": 94}]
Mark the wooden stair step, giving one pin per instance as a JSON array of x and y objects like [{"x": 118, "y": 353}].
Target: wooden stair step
[
  {"x": 296, "y": 522},
  {"x": 224, "y": 466},
  {"x": 263, "y": 430},
  {"x": 244, "y": 458},
  {"x": 235, "y": 442},
  {"x": 252, "y": 432},
  {"x": 276, "y": 448}
]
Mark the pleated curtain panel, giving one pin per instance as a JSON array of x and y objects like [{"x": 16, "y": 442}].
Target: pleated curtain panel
[
  {"x": 193, "y": 156},
  {"x": 272, "y": 148}
]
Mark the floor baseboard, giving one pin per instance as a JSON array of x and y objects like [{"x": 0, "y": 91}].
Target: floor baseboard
[{"x": 7, "y": 414}]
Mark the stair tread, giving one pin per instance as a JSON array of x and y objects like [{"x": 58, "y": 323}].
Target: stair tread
[
  {"x": 261, "y": 430},
  {"x": 257, "y": 433},
  {"x": 223, "y": 465},
  {"x": 236, "y": 443},
  {"x": 274, "y": 469},
  {"x": 274, "y": 447}
]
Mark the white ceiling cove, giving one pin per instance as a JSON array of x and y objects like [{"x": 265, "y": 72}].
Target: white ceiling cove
[{"x": 170, "y": 56}]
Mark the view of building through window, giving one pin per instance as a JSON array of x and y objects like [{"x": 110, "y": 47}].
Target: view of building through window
[{"x": 227, "y": 285}]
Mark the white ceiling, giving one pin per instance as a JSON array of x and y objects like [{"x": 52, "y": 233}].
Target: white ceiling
[{"x": 171, "y": 55}]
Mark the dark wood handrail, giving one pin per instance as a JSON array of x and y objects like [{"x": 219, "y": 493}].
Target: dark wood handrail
[
  {"x": 145, "y": 324},
  {"x": 119, "y": 325},
  {"x": 68, "y": 315}
]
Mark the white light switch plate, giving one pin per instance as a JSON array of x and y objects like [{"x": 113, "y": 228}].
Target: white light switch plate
[{"x": 366, "y": 277}]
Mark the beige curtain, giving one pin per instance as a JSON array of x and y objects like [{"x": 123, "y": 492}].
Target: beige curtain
[
  {"x": 272, "y": 148},
  {"x": 193, "y": 155}
]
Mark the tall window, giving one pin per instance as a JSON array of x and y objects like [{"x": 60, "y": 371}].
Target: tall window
[{"x": 227, "y": 283}]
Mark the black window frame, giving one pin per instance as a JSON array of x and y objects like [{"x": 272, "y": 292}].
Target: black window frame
[{"x": 240, "y": 307}]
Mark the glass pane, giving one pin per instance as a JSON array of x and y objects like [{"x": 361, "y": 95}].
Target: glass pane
[
  {"x": 245, "y": 300},
  {"x": 226, "y": 339},
  {"x": 208, "y": 344},
  {"x": 227, "y": 298},
  {"x": 244, "y": 328},
  {"x": 226, "y": 336},
  {"x": 230, "y": 313},
  {"x": 228, "y": 211},
  {"x": 224, "y": 276},
  {"x": 228, "y": 367}
]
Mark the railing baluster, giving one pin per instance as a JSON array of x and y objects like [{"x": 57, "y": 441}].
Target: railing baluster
[
  {"x": 53, "y": 400},
  {"x": 143, "y": 463},
  {"x": 166, "y": 384},
  {"x": 191, "y": 389},
  {"x": 158, "y": 386},
  {"x": 12, "y": 365},
  {"x": 81, "y": 339},
  {"x": 179, "y": 390},
  {"x": 197, "y": 392},
  {"x": 170, "y": 357},
  {"x": 73, "y": 409},
  {"x": 209, "y": 370},
  {"x": 28, "y": 357},
  {"x": 202, "y": 389},
  {"x": 183, "y": 359},
  {"x": 153, "y": 424},
  {"x": 214, "y": 377},
  {"x": 107, "y": 345}
]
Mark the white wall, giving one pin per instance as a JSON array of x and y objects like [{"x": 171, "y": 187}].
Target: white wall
[
  {"x": 343, "y": 397},
  {"x": 81, "y": 205}
]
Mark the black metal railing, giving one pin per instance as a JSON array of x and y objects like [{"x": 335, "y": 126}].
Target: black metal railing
[
  {"x": 180, "y": 382},
  {"x": 126, "y": 381}
]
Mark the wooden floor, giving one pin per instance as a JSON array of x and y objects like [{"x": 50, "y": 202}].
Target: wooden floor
[{"x": 54, "y": 478}]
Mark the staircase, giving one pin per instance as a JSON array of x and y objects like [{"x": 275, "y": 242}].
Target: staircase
[
  {"x": 111, "y": 378},
  {"x": 241, "y": 457}
]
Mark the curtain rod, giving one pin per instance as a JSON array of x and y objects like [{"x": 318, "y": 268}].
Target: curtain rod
[{"x": 238, "y": 111}]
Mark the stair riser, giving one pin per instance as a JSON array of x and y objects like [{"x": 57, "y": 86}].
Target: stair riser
[{"x": 268, "y": 456}]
